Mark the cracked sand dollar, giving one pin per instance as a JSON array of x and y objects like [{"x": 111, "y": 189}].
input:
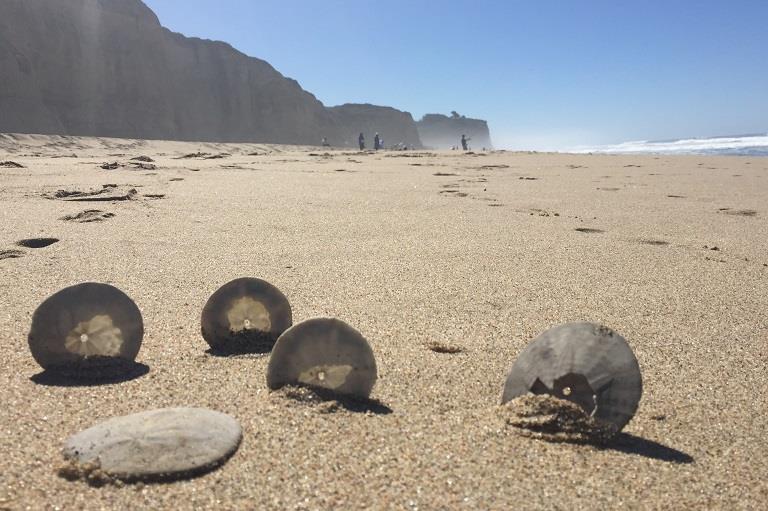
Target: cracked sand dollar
[
  {"x": 245, "y": 315},
  {"x": 587, "y": 364},
  {"x": 168, "y": 443},
  {"x": 325, "y": 353},
  {"x": 85, "y": 327}
]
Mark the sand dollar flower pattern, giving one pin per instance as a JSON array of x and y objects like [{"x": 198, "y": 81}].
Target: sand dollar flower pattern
[{"x": 95, "y": 337}]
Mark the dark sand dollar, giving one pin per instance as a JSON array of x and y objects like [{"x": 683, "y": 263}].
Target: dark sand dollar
[
  {"x": 587, "y": 364},
  {"x": 85, "y": 328},
  {"x": 325, "y": 353},
  {"x": 168, "y": 443},
  {"x": 245, "y": 315}
]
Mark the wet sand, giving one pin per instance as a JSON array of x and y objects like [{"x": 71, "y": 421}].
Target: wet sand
[{"x": 474, "y": 253}]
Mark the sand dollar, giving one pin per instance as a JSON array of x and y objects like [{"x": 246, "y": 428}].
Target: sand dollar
[
  {"x": 587, "y": 364},
  {"x": 325, "y": 353},
  {"x": 86, "y": 323},
  {"x": 246, "y": 314},
  {"x": 157, "y": 444}
]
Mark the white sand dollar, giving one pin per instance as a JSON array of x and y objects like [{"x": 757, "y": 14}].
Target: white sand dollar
[
  {"x": 86, "y": 322},
  {"x": 326, "y": 353},
  {"x": 587, "y": 364},
  {"x": 246, "y": 314},
  {"x": 166, "y": 443}
]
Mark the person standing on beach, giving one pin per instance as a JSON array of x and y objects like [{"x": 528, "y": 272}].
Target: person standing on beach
[
  {"x": 361, "y": 141},
  {"x": 376, "y": 142},
  {"x": 464, "y": 141}
]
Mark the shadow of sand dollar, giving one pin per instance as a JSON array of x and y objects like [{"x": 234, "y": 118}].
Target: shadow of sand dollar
[
  {"x": 10, "y": 254},
  {"x": 588, "y": 230},
  {"x": 609, "y": 189},
  {"x": 37, "y": 242},
  {"x": 92, "y": 375},
  {"x": 657, "y": 243},
  {"x": 176, "y": 179},
  {"x": 326, "y": 401},
  {"x": 676, "y": 196},
  {"x": 631, "y": 444},
  {"x": 87, "y": 216},
  {"x": 444, "y": 174}
]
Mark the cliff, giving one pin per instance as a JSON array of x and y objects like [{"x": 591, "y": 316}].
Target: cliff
[
  {"x": 108, "y": 68},
  {"x": 442, "y": 132},
  {"x": 393, "y": 126}
]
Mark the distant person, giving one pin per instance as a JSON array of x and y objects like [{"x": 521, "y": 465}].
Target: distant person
[
  {"x": 376, "y": 142},
  {"x": 325, "y": 142},
  {"x": 464, "y": 141},
  {"x": 361, "y": 142}
]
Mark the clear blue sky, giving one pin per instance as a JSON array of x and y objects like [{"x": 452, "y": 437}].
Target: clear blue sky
[{"x": 544, "y": 73}]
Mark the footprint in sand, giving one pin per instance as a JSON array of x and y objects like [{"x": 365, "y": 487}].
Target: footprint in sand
[
  {"x": 541, "y": 212},
  {"x": 738, "y": 212},
  {"x": 87, "y": 216},
  {"x": 10, "y": 254},
  {"x": 37, "y": 242},
  {"x": 108, "y": 193}
]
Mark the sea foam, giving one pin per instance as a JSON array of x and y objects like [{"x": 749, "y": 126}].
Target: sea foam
[{"x": 743, "y": 145}]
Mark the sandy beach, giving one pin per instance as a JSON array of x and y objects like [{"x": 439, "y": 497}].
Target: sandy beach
[{"x": 478, "y": 251}]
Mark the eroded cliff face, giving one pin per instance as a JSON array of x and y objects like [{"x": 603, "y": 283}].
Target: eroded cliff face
[
  {"x": 393, "y": 126},
  {"x": 443, "y": 132},
  {"x": 108, "y": 68}
]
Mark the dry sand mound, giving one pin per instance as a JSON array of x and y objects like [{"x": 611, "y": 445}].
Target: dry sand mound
[{"x": 555, "y": 420}]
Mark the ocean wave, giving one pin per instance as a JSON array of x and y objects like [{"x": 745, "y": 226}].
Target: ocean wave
[{"x": 748, "y": 145}]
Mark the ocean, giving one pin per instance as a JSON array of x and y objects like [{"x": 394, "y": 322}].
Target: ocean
[{"x": 736, "y": 145}]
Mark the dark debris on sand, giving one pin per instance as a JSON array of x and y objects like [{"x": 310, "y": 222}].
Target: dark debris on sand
[
  {"x": 439, "y": 347},
  {"x": 11, "y": 165}
]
